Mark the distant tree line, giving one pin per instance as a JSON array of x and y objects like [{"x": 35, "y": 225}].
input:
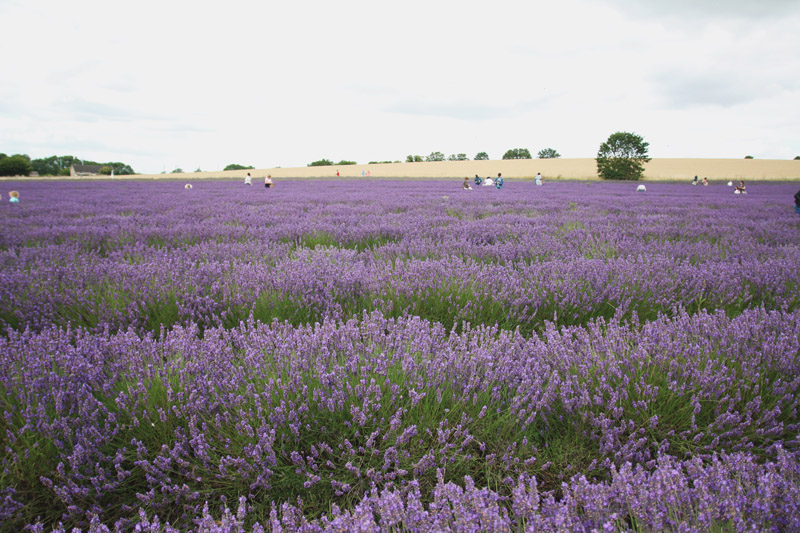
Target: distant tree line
[
  {"x": 234, "y": 166},
  {"x": 328, "y": 163},
  {"x": 514, "y": 153},
  {"x": 55, "y": 165}
]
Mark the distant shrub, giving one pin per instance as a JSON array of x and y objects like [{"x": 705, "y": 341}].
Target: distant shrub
[
  {"x": 481, "y": 156},
  {"x": 748, "y": 157},
  {"x": 548, "y": 153},
  {"x": 517, "y": 153},
  {"x": 414, "y": 159},
  {"x": 105, "y": 170},
  {"x": 321, "y": 163},
  {"x": 235, "y": 166},
  {"x": 343, "y": 162}
]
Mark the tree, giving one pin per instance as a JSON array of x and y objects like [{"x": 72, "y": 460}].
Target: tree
[
  {"x": 481, "y": 156},
  {"x": 548, "y": 153},
  {"x": 59, "y": 165},
  {"x": 54, "y": 165},
  {"x": 234, "y": 166},
  {"x": 458, "y": 157},
  {"x": 622, "y": 157},
  {"x": 120, "y": 169},
  {"x": 105, "y": 170},
  {"x": 748, "y": 157},
  {"x": 414, "y": 159},
  {"x": 517, "y": 153},
  {"x": 797, "y": 158},
  {"x": 15, "y": 165},
  {"x": 178, "y": 170},
  {"x": 321, "y": 163},
  {"x": 435, "y": 156},
  {"x": 343, "y": 162}
]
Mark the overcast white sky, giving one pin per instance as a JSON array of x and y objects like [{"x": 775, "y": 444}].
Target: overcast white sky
[{"x": 160, "y": 84}]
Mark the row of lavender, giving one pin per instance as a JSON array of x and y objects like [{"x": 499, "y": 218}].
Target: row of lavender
[
  {"x": 151, "y": 255},
  {"x": 691, "y": 419},
  {"x": 385, "y": 415}
]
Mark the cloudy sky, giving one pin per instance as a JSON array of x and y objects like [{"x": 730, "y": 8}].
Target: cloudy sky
[{"x": 161, "y": 84}]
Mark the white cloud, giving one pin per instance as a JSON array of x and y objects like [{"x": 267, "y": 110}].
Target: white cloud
[{"x": 165, "y": 84}]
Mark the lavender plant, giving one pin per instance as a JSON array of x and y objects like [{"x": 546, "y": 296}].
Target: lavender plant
[{"x": 399, "y": 356}]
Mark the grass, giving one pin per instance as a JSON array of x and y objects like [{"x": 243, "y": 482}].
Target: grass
[{"x": 317, "y": 239}]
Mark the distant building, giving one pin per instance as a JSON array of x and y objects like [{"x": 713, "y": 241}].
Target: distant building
[{"x": 84, "y": 170}]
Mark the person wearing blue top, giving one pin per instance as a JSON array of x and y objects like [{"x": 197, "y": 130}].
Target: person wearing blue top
[
  {"x": 477, "y": 180},
  {"x": 13, "y": 197},
  {"x": 498, "y": 183}
]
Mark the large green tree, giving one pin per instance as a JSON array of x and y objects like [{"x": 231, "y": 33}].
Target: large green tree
[
  {"x": 481, "y": 156},
  {"x": 517, "y": 153},
  {"x": 622, "y": 157},
  {"x": 15, "y": 165},
  {"x": 435, "y": 156}
]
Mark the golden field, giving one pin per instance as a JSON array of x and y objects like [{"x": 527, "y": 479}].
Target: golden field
[
  {"x": 551, "y": 169},
  {"x": 580, "y": 169}
]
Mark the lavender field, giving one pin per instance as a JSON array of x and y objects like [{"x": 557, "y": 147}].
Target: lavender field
[{"x": 377, "y": 356}]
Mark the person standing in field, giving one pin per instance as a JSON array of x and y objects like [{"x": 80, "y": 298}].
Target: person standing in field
[
  {"x": 538, "y": 179},
  {"x": 268, "y": 181}
]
